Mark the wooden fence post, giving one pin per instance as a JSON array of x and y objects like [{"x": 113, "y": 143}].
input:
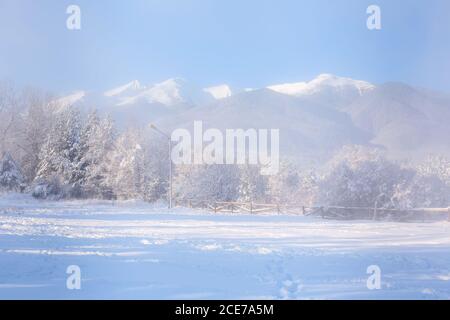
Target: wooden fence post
[{"x": 323, "y": 211}]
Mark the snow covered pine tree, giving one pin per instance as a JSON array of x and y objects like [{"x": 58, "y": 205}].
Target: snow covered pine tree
[{"x": 11, "y": 178}]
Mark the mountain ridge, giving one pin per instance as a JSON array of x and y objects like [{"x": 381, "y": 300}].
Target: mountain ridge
[{"x": 316, "y": 116}]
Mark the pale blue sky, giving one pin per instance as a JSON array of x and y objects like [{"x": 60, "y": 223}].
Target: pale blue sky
[{"x": 245, "y": 43}]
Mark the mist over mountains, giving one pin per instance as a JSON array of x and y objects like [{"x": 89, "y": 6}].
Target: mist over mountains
[{"x": 315, "y": 118}]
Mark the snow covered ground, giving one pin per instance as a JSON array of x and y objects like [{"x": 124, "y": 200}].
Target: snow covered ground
[{"x": 132, "y": 250}]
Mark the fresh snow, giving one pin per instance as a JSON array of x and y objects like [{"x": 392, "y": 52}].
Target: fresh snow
[
  {"x": 133, "y": 250},
  {"x": 166, "y": 93},
  {"x": 171, "y": 92},
  {"x": 132, "y": 86},
  {"x": 219, "y": 92},
  {"x": 322, "y": 81},
  {"x": 71, "y": 99}
]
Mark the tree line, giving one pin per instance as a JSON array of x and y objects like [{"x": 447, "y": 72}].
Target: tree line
[{"x": 55, "y": 152}]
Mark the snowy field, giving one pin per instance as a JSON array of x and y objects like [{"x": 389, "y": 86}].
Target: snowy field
[{"x": 132, "y": 250}]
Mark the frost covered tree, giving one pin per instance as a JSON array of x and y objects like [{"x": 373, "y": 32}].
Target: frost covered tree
[
  {"x": 139, "y": 166},
  {"x": 9, "y": 114},
  {"x": 155, "y": 164},
  {"x": 437, "y": 166},
  {"x": 25, "y": 118},
  {"x": 292, "y": 186},
  {"x": 61, "y": 151},
  {"x": 97, "y": 138},
  {"x": 361, "y": 177},
  {"x": 11, "y": 178},
  {"x": 33, "y": 130},
  {"x": 428, "y": 187},
  {"x": 208, "y": 182},
  {"x": 422, "y": 192},
  {"x": 253, "y": 185},
  {"x": 124, "y": 170},
  {"x": 74, "y": 157}
]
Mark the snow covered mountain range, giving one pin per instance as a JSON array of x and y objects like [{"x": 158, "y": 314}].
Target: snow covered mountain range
[{"x": 315, "y": 118}]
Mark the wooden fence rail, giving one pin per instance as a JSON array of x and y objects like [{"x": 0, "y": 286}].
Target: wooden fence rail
[{"x": 326, "y": 212}]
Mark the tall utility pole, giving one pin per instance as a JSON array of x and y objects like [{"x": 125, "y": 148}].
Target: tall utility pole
[{"x": 170, "y": 161}]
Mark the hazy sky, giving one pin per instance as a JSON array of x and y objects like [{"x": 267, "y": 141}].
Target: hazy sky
[{"x": 246, "y": 43}]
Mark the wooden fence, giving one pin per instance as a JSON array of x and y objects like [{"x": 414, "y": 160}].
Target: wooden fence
[{"x": 328, "y": 212}]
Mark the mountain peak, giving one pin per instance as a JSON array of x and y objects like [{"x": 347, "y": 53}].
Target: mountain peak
[
  {"x": 177, "y": 81},
  {"x": 131, "y": 86},
  {"x": 71, "y": 99},
  {"x": 326, "y": 76},
  {"x": 219, "y": 92},
  {"x": 323, "y": 82},
  {"x": 170, "y": 92}
]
